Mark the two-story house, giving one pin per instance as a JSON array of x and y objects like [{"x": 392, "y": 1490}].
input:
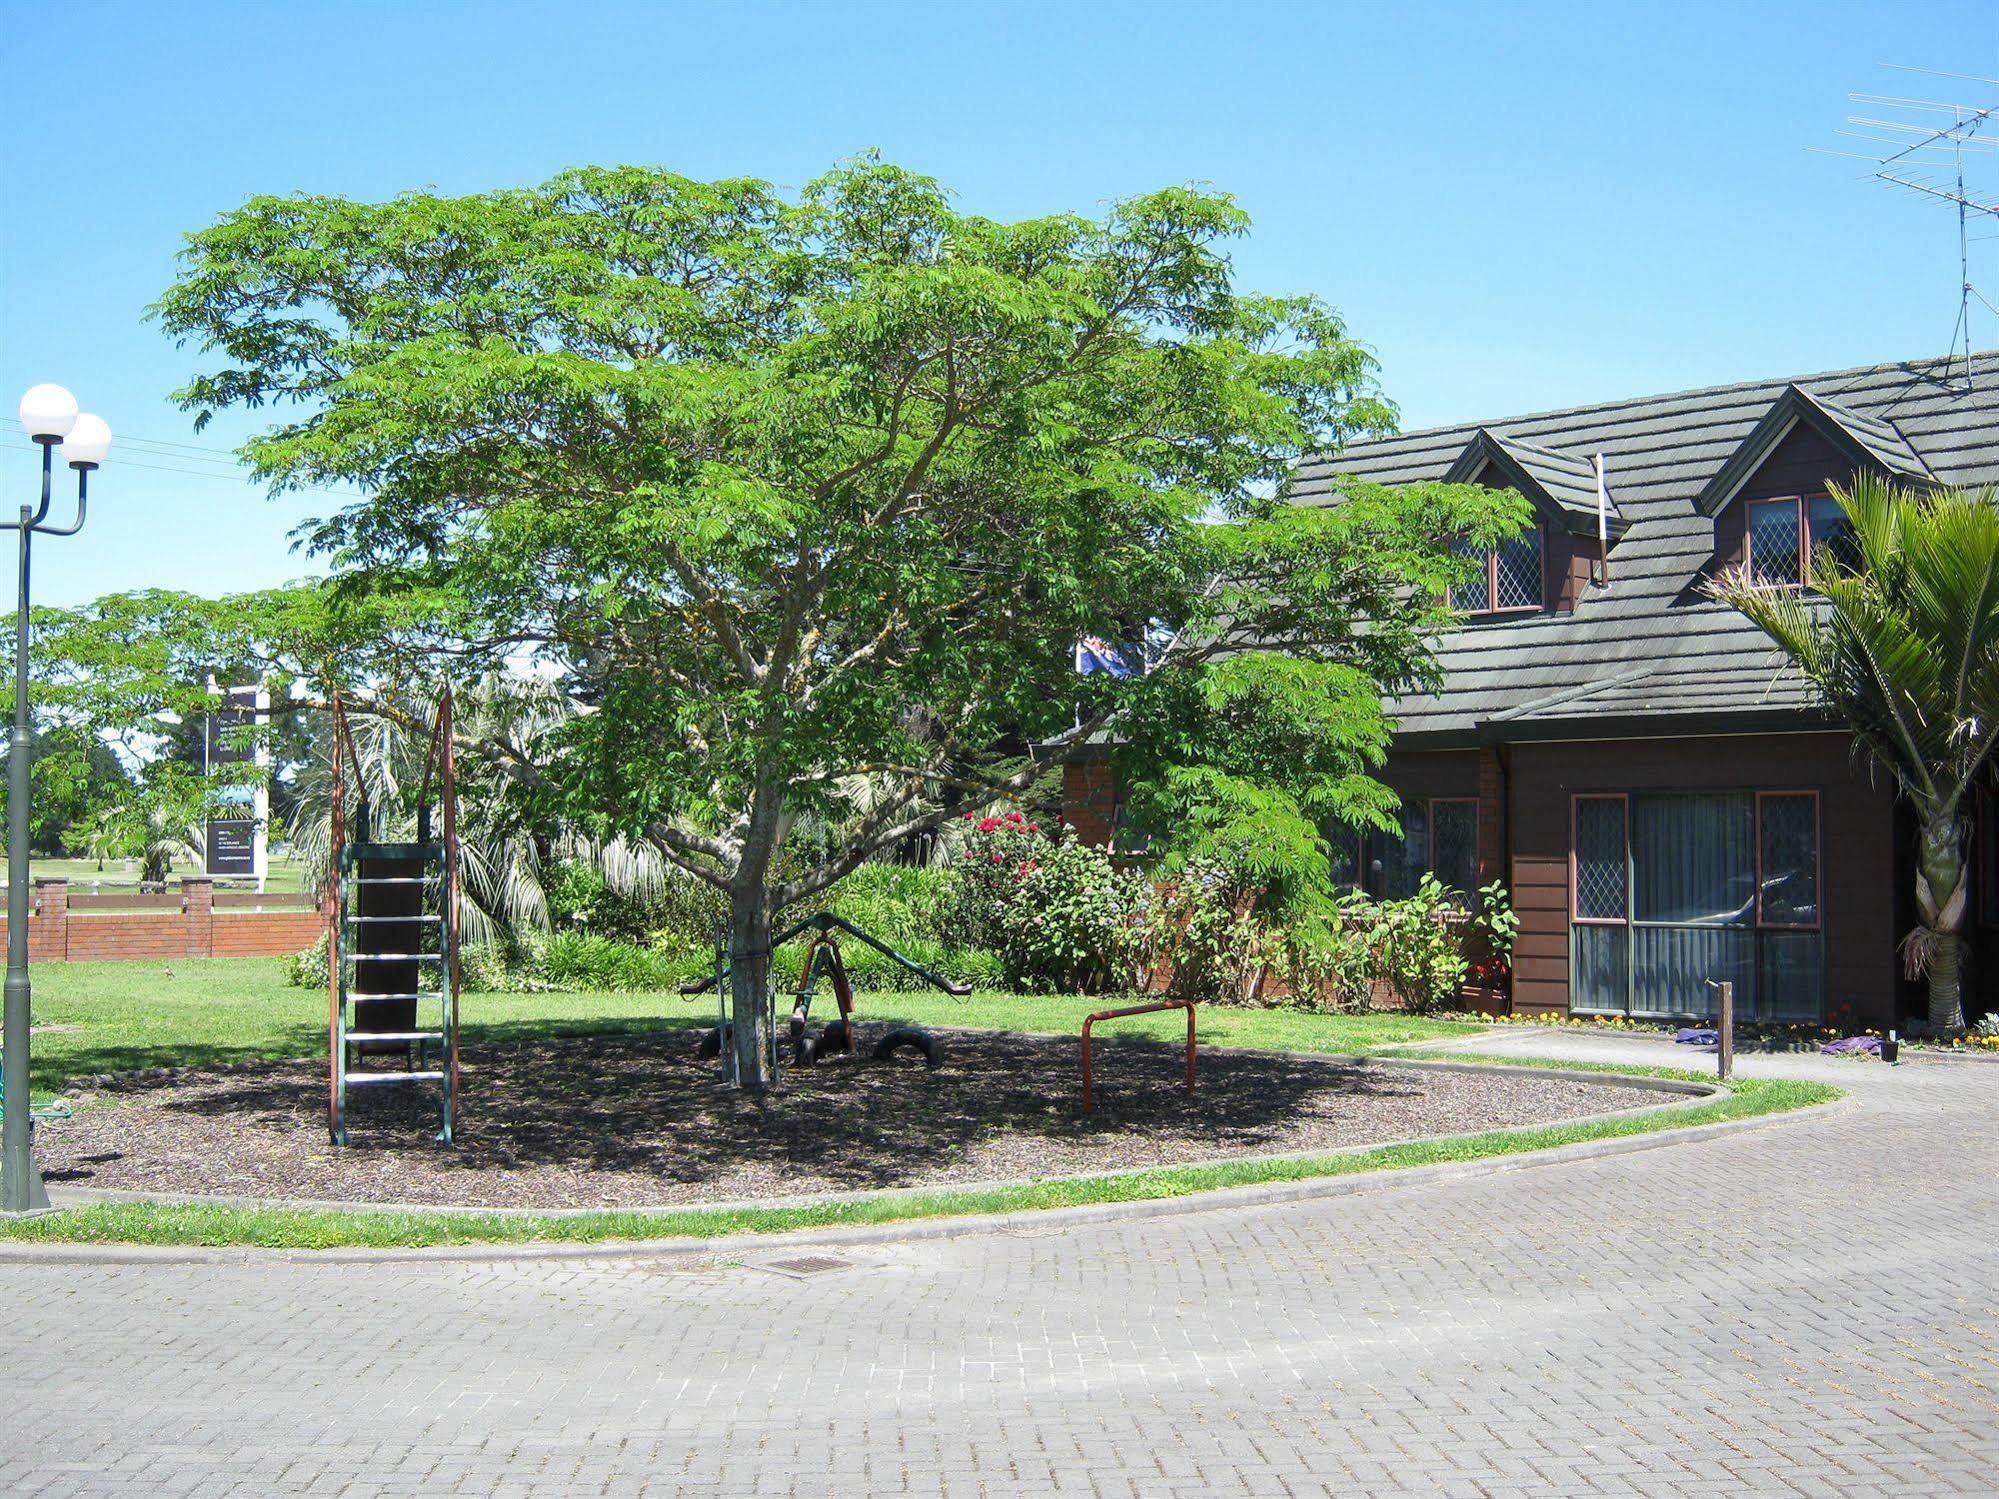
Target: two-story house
[{"x": 1634, "y": 760}]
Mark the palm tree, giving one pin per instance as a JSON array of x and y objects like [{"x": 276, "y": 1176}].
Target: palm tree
[
  {"x": 1901, "y": 639},
  {"x": 507, "y": 852}
]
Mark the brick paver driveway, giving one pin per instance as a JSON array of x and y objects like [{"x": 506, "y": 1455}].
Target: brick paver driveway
[{"x": 1802, "y": 1308}]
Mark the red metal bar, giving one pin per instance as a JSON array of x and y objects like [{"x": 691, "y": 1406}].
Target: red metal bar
[
  {"x": 444, "y": 741},
  {"x": 1089, "y": 1094},
  {"x": 335, "y": 1123}
]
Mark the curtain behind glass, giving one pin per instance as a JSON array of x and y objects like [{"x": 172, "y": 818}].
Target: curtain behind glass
[
  {"x": 1694, "y": 858},
  {"x": 1598, "y": 959},
  {"x": 1395, "y": 865}
]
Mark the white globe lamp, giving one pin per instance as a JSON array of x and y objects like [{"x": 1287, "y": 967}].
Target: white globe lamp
[
  {"x": 88, "y": 442},
  {"x": 48, "y": 412}
]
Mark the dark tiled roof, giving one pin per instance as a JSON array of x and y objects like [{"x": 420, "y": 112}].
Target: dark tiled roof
[
  {"x": 1562, "y": 485},
  {"x": 1649, "y": 647}
]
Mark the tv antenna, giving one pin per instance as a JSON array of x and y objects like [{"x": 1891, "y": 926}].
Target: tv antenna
[{"x": 1921, "y": 146}]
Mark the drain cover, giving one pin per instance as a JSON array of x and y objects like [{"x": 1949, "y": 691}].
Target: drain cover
[{"x": 808, "y": 1264}]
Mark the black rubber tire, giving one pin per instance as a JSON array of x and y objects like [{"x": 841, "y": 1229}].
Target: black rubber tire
[
  {"x": 833, "y": 1040},
  {"x": 915, "y": 1040},
  {"x": 711, "y": 1043}
]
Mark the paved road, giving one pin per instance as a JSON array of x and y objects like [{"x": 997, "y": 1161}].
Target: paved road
[{"x": 1809, "y": 1308}]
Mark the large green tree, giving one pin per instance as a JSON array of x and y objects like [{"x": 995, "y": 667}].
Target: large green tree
[
  {"x": 806, "y": 498},
  {"x": 1902, "y": 641}
]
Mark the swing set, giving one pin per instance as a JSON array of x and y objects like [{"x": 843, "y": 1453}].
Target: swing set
[{"x": 822, "y": 959}]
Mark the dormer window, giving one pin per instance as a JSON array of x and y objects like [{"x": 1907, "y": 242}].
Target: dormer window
[
  {"x": 1784, "y": 533},
  {"x": 1511, "y": 582}
]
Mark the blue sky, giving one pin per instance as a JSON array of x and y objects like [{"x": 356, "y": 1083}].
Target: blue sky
[{"x": 1518, "y": 206}]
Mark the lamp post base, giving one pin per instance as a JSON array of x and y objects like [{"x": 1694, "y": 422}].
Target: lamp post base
[{"x": 38, "y": 1195}]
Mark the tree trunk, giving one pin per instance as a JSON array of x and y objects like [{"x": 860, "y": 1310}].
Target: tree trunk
[
  {"x": 1946, "y": 1002},
  {"x": 1940, "y": 901},
  {"x": 749, "y": 985}
]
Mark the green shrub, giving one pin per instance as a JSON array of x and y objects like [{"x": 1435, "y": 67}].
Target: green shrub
[
  {"x": 309, "y": 969},
  {"x": 1059, "y": 913},
  {"x": 1414, "y": 945},
  {"x": 898, "y": 903},
  {"x": 1204, "y": 925},
  {"x": 585, "y": 960}
]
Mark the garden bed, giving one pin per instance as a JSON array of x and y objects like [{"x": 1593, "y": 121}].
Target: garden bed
[{"x": 638, "y": 1120}]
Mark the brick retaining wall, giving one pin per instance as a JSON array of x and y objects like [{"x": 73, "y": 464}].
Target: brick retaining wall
[{"x": 196, "y": 923}]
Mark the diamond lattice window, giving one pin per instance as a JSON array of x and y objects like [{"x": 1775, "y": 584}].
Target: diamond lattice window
[
  {"x": 1509, "y": 576},
  {"x": 1474, "y": 596},
  {"x": 1602, "y": 875},
  {"x": 1775, "y": 547},
  {"x": 1788, "y": 873},
  {"x": 1454, "y": 844},
  {"x": 1517, "y": 572}
]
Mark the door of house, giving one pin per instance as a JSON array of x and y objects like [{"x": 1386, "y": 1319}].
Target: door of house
[{"x": 1672, "y": 890}]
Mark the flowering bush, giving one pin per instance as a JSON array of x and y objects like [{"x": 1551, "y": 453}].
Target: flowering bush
[{"x": 1058, "y": 911}]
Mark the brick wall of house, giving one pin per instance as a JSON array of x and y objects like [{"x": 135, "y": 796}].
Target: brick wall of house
[{"x": 1089, "y": 800}]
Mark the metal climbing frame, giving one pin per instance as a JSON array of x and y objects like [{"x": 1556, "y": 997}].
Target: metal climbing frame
[
  {"x": 394, "y": 936},
  {"x": 822, "y": 957}
]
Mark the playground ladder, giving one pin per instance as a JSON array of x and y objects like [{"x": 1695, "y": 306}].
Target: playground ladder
[{"x": 394, "y": 950}]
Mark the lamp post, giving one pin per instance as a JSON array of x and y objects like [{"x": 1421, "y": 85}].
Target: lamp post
[{"x": 50, "y": 415}]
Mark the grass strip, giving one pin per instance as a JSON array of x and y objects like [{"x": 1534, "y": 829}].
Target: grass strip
[{"x": 307, "y": 1228}]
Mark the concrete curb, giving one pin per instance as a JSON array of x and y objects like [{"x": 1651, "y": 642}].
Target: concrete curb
[{"x": 1030, "y": 1220}]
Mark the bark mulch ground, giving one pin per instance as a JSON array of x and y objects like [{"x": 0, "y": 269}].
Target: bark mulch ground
[{"x": 635, "y": 1120}]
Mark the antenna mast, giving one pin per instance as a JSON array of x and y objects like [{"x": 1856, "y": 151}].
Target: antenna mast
[{"x": 1920, "y": 147}]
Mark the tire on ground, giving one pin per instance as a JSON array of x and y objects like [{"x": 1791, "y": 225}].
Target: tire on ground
[
  {"x": 711, "y": 1042},
  {"x": 909, "y": 1036}
]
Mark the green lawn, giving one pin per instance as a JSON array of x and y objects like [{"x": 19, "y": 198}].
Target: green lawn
[
  {"x": 121, "y": 876},
  {"x": 129, "y": 1015}
]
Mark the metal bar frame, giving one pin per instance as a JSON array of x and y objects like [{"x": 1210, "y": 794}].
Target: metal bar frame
[{"x": 1089, "y": 1093}]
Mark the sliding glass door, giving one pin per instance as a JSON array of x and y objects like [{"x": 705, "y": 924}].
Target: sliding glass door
[{"x": 1673, "y": 891}]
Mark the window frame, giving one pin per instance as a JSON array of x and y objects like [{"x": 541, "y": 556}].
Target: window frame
[
  {"x": 1801, "y": 511},
  {"x": 1817, "y": 924},
  {"x": 1490, "y": 556},
  {"x": 1797, "y": 504},
  {"x": 1756, "y": 927},
  {"x": 1576, "y": 799}
]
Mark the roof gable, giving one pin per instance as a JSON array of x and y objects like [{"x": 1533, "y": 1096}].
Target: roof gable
[
  {"x": 1868, "y": 441},
  {"x": 1558, "y": 673},
  {"x": 1561, "y": 486}
]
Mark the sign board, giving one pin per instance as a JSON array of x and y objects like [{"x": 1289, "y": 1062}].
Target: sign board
[
  {"x": 220, "y": 743},
  {"x": 235, "y": 843},
  {"x": 232, "y": 847}
]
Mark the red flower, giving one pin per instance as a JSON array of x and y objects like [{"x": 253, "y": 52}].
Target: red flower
[
  {"x": 1034, "y": 827},
  {"x": 1014, "y": 817},
  {"x": 988, "y": 824},
  {"x": 967, "y": 816},
  {"x": 968, "y": 853},
  {"x": 999, "y": 858}
]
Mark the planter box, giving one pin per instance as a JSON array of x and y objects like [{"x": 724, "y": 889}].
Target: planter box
[{"x": 1485, "y": 999}]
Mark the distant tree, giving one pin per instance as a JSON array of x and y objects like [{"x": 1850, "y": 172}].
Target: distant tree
[
  {"x": 76, "y": 776},
  {"x": 1904, "y": 645},
  {"x": 797, "y": 494}
]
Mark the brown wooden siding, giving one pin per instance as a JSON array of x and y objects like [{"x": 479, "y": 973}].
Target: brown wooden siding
[
  {"x": 1802, "y": 464},
  {"x": 1856, "y": 850},
  {"x": 1572, "y": 562}
]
